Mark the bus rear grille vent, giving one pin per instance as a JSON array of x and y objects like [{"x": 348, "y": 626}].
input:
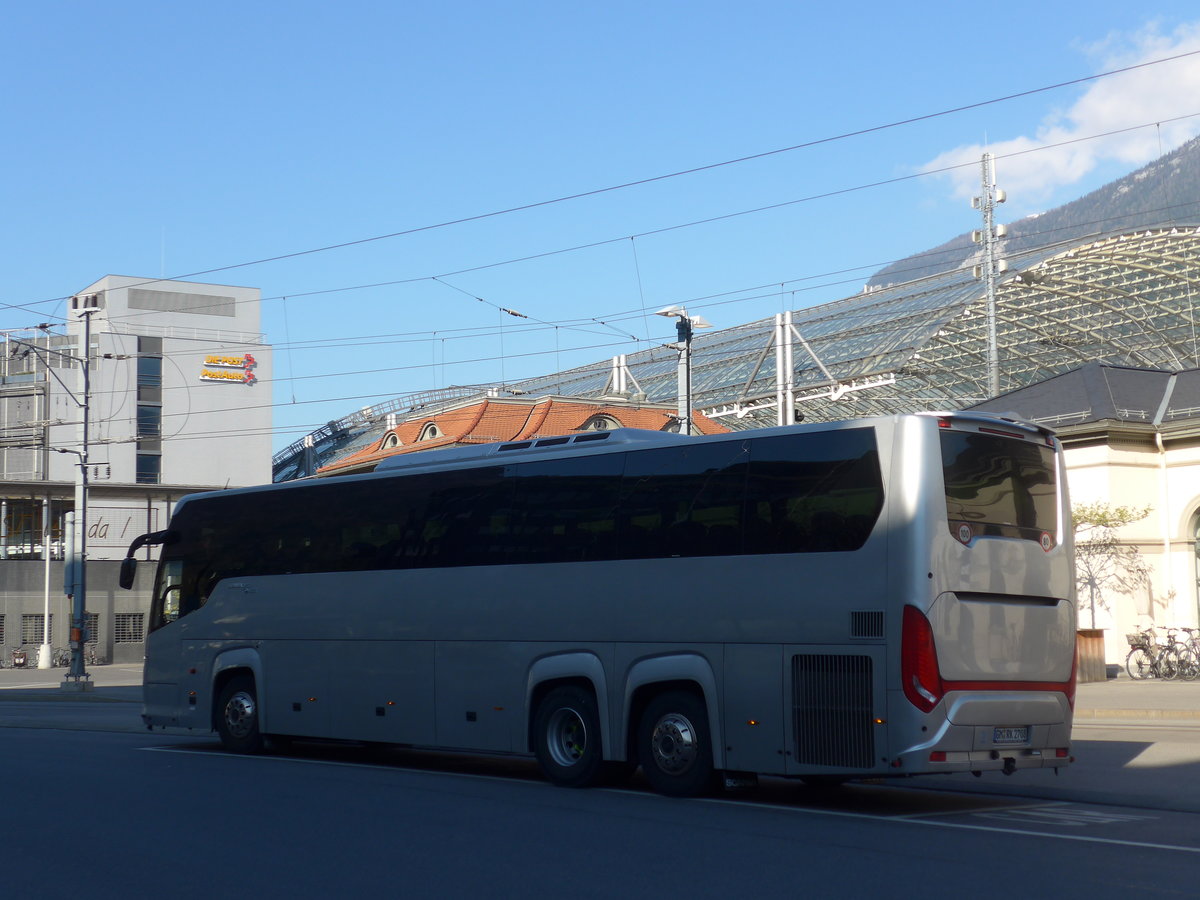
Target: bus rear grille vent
[
  {"x": 866, "y": 623},
  {"x": 831, "y": 710}
]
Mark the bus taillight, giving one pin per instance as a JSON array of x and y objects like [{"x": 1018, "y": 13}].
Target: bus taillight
[{"x": 918, "y": 662}]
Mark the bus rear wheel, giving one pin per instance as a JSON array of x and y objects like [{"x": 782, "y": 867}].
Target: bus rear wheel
[
  {"x": 566, "y": 737},
  {"x": 237, "y": 716},
  {"x": 674, "y": 745}
]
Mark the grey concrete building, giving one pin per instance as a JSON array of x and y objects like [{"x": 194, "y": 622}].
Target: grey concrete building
[{"x": 179, "y": 402}]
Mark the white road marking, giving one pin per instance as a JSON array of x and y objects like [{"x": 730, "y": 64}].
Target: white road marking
[{"x": 916, "y": 820}]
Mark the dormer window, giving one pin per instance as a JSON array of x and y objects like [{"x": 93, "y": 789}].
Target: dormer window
[
  {"x": 600, "y": 423},
  {"x": 390, "y": 442},
  {"x": 429, "y": 432}
]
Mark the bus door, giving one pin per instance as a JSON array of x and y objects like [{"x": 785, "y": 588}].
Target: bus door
[
  {"x": 163, "y": 670},
  {"x": 837, "y": 700}
]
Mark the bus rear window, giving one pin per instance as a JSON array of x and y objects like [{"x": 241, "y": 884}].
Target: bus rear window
[{"x": 999, "y": 485}]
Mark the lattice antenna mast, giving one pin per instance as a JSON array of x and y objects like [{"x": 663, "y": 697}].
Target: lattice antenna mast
[{"x": 991, "y": 266}]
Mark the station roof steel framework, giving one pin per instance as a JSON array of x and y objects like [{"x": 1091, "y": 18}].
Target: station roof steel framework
[{"x": 1126, "y": 299}]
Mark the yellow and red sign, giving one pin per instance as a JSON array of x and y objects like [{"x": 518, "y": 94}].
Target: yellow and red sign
[{"x": 229, "y": 369}]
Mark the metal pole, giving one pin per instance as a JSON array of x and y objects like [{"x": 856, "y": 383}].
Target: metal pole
[
  {"x": 988, "y": 202},
  {"x": 683, "y": 331},
  {"x": 79, "y": 593},
  {"x": 789, "y": 370},
  {"x": 780, "y": 413},
  {"x": 44, "y": 653}
]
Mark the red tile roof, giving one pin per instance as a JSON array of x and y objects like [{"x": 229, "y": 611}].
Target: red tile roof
[{"x": 494, "y": 420}]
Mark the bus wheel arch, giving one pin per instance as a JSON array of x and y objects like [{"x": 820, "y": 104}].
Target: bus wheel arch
[{"x": 654, "y": 675}]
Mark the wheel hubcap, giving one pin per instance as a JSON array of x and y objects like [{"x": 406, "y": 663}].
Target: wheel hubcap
[
  {"x": 239, "y": 714},
  {"x": 674, "y": 744},
  {"x": 566, "y": 737}
]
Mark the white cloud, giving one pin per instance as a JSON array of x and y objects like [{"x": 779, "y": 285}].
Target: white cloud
[{"x": 1146, "y": 96}]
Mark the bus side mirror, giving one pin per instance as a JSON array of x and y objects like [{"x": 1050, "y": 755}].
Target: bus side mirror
[{"x": 128, "y": 570}]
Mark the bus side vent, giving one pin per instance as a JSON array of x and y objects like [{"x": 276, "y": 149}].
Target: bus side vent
[
  {"x": 866, "y": 623},
  {"x": 831, "y": 710}
]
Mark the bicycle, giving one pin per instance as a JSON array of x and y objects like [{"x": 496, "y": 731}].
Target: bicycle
[
  {"x": 1149, "y": 659},
  {"x": 1189, "y": 655}
]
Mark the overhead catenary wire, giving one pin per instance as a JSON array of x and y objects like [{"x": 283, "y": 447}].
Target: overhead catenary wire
[
  {"x": 440, "y": 278},
  {"x": 743, "y": 295},
  {"x": 729, "y": 300},
  {"x": 924, "y": 117}
]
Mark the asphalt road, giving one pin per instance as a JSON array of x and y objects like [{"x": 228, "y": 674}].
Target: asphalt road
[
  {"x": 97, "y": 805},
  {"x": 134, "y": 814}
]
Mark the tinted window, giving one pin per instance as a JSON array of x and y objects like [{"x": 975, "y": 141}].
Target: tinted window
[
  {"x": 467, "y": 519},
  {"x": 566, "y": 509},
  {"x": 999, "y": 485},
  {"x": 789, "y": 494},
  {"x": 683, "y": 501},
  {"x": 815, "y": 492}
]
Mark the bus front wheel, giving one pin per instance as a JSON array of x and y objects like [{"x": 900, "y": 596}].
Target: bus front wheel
[
  {"x": 674, "y": 745},
  {"x": 237, "y": 716},
  {"x": 566, "y": 737}
]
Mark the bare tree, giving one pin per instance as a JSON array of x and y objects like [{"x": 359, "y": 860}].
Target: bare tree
[{"x": 1102, "y": 562}]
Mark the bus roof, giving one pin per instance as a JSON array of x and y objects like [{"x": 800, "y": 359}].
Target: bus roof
[{"x": 584, "y": 443}]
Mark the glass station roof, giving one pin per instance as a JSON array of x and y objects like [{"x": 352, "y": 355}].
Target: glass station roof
[{"x": 1127, "y": 299}]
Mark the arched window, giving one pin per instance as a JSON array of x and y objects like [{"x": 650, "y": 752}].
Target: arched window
[
  {"x": 600, "y": 423},
  {"x": 429, "y": 432},
  {"x": 391, "y": 441}
]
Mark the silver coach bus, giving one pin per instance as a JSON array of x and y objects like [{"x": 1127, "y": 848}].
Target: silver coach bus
[{"x": 882, "y": 597}]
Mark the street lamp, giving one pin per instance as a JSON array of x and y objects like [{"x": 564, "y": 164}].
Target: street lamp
[
  {"x": 75, "y": 573},
  {"x": 76, "y": 569},
  {"x": 684, "y": 326}
]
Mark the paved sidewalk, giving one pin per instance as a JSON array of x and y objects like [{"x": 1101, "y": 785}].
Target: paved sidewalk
[
  {"x": 1124, "y": 700},
  {"x": 116, "y": 683}
]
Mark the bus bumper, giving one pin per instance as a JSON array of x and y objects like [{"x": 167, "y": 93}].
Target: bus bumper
[{"x": 994, "y": 732}]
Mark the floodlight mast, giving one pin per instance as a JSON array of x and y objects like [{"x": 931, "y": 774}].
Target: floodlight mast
[
  {"x": 991, "y": 268},
  {"x": 684, "y": 327}
]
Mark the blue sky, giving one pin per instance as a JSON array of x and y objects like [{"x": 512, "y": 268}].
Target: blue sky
[{"x": 154, "y": 139}]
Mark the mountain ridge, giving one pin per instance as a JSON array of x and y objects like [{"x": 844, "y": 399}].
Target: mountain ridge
[{"x": 1165, "y": 191}]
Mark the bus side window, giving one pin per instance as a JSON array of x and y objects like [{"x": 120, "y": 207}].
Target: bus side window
[
  {"x": 684, "y": 501},
  {"x": 564, "y": 509},
  {"x": 815, "y": 492}
]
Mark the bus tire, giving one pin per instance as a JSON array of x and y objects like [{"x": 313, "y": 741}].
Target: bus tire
[
  {"x": 674, "y": 746},
  {"x": 566, "y": 737},
  {"x": 237, "y": 716}
]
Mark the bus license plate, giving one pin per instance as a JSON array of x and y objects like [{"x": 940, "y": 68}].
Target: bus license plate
[{"x": 1010, "y": 735}]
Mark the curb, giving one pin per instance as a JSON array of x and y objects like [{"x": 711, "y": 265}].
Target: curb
[
  {"x": 56, "y": 695},
  {"x": 1153, "y": 715}
]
